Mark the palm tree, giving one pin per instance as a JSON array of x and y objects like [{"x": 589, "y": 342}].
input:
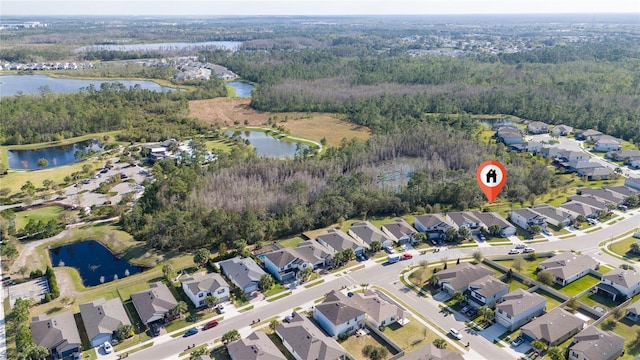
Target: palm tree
[
  {"x": 273, "y": 324},
  {"x": 230, "y": 336},
  {"x": 376, "y": 246},
  {"x": 555, "y": 353},
  {"x": 211, "y": 301},
  {"x": 459, "y": 296},
  {"x": 538, "y": 346},
  {"x": 180, "y": 308},
  {"x": 486, "y": 313}
]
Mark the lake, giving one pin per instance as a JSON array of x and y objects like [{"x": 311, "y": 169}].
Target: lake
[
  {"x": 228, "y": 45},
  {"x": 30, "y": 84},
  {"x": 95, "y": 263},
  {"x": 268, "y": 146},
  {"x": 498, "y": 122},
  {"x": 242, "y": 89},
  {"x": 55, "y": 155}
]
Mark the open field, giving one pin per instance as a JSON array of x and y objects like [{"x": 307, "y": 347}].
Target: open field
[
  {"x": 313, "y": 126},
  {"x": 44, "y": 213},
  {"x": 622, "y": 247},
  {"x": 355, "y": 344}
]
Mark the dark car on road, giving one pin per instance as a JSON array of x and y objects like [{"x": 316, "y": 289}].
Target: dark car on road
[
  {"x": 190, "y": 332},
  {"x": 210, "y": 324}
]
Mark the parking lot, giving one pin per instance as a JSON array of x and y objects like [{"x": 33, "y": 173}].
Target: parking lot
[{"x": 34, "y": 290}]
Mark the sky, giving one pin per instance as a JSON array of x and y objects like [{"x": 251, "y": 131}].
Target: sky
[{"x": 311, "y": 7}]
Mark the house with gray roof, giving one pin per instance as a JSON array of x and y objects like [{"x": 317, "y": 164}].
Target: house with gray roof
[
  {"x": 458, "y": 277},
  {"x": 102, "y": 318},
  {"x": 314, "y": 253},
  {"x": 431, "y": 352},
  {"x": 576, "y": 209},
  {"x": 553, "y": 328},
  {"x": 336, "y": 315},
  {"x": 380, "y": 312},
  {"x": 632, "y": 182},
  {"x": 562, "y": 130},
  {"x": 620, "y": 282},
  {"x": 605, "y": 195},
  {"x": 434, "y": 225},
  {"x": 623, "y": 155},
  {"x": 488, "y": 219},
  {"x": 590, "y": 200},
  {"x": 285, "y": 264},
  {"x": 486, "y": 291},
  {"x": 518, "y": 308},
  {"x": 551, "y": 152},
  {"x": 335, "y": 240},
  {"x": 256, "y": 346},
  {"x": 509, "y": 135},
  {"x": 200, "y": 285},
  {"x": 595, "y": 344},
  {"x": 58, "y": 333},
  {"x": 155, "y": 303},
  {"x": 400, "y": 231},
  {"x": 464, "y": 219},
  {"x": 555, "y": 216},
  {"x": 305, "y": 341},
  {"x": 588, "y": 134},
  {"x": 595, "y": 173},
  {"x": 622, "y": 190},
  {"x": 537, "y": 127},
  {"x": 367, "y": 233},
  {"x": 606, "y": 143},
  {"x": 243, "y": 272},
  {"x": 525, "y": 218},
  {"x": 633, "y": 311},
  {"x": 567, "y": 267}
]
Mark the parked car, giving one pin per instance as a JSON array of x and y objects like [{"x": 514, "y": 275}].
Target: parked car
[
  {"x": 210, "y": 324},
  {"x": 482, "y": 237},
  {"x": 455, "y": 333},
  {"x": 528, "y": 250},
  {"x": 108, "y": 349},
  {"x": 390, "y": 249},
  {"x": 517, "y": 342},
  {"x": 623, "y": 207},
  {"x": 514, "y": 251},
  {"x": 220, "y": 309},
  {"x": 104, "y": 171},
  {"x": 521, "y": 246},
  {"x": 592, "y": 221},
  {"x": 546, "y": 232},
  {"x": 86, "y": 181},
  {"x": 155, "y": 330},
  {"x": 123, "y": 176},
  {"x": 406, "y": 256},
  {"x": 190, "y": 332}
]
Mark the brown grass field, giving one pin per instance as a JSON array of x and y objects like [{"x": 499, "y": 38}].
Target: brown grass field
[{"x": 312, "y": 126}]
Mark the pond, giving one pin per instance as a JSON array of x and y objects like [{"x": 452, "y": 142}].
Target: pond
[
  {"x": 167, "y": 46},
  {"x": 55, "y": 155},
  {"x": 268, "y": 146},
  {"x": 242, "y": 89},
  {"x": 497, "y": 122},
  {"x": 11, "y": 85},
  {"x": 95, "y": 263}
]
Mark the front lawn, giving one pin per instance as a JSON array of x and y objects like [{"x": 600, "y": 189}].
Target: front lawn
[
  {"x": 530, "y": 265},
  {"x": 411, "y": 336},
  {"x": 622, "y": 248},
  {"x": 354, "y": 345},
  {"x": 275, "y": 289},
  {"x": 578, "y": 286}
]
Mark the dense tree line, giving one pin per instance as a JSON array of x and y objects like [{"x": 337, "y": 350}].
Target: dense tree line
[
  {"x": 146, "y": 115},
  {"x": 243, "y": 199}
]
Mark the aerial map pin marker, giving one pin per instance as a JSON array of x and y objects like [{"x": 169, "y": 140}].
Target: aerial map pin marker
[{"x": 491, "y": 176}]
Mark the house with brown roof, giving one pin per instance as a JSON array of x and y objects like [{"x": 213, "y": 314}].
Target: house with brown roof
[
  {"x": 567, "y": 266},
  {"x": 200, "y": 285},
  {"x": 486, "y": 291},
  {"x": 336, "y": 315},
  {"x": 620, "y": 282},
  {"x": 430, "y": 352},
  {"x": 256, "y": 346},
  {"x": 366, "y": 233},
  {"x": 285, "y": 264},
  {"x": 518, "y": 308},
  {"x": 155, "y": 303},
  {"x": 553, "y": 328},
  {"x": 492, "y": 218},
  {"x": 400, "y": 231},
  {"x": 458, "y": 277},
  {"x": 305, "y": 341},
  {"x": 335, "y": 240},
  {"x": 58, "y": 333},
  {"x": 595, "y": 344},
  {"x": 102, "y": 318}
]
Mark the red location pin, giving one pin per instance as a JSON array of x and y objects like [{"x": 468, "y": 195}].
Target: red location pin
[{"x": 491, "y": 176}]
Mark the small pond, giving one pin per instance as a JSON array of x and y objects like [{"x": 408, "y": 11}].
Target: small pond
[
  {"x": 11, "y": 85},
  {"x": 497, "y": 122},
  {"x": 242, "y": 89},
  {"x": 55, "y": 155},
  {"x": 268, "y": 146},
  {"x": 167, "y": 46},
  {"x": 95, "y": 263}
]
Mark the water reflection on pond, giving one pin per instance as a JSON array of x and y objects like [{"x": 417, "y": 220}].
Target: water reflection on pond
[
  {"x": 268, "y": 146},
  {"x": 55, "y": 155}
]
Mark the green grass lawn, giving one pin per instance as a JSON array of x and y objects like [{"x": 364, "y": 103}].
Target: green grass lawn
[
  {"x": 622, "y": 247},
  {"x": 278, "y": 297},
  {"x": 44, "y": 213},
  {"x": 275, "y": 289},
  {"x": 411, "y": 336},
  {"x": 530, "y": 265},
  {"x": 578, "y": 286},
  {"x": 291, "y": 242},
  {"x": 628, "y": 330},
  {"x": 598, "y": 299},
  {"x": 218, "y": 145},
  {"x": 516, "y": 284},
  {"x": 126, "y": 291},
  {"x": 552, "y": 301},
  {"x": 355, "y": 344}
]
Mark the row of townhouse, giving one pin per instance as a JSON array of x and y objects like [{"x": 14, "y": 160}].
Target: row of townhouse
[{"x": 436, "y": 225}]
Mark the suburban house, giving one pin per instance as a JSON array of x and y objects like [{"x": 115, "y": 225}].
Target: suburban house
[
  {"x": 623, "y": 155},
  {"x": 509, "y": 135},
  {"x": 620, "y": 282},
  {"x": 590, "y": 200},
  {"x": 553, "y": 328},
  {"x": 537, "y": 127},
  {"x": 588, "y": 134},
  {"x": 458, "y": 277},
  {"x": 633, "y": 311},
  {"x": 606, "y": 143},
  {"x": 200, "y": 285},
  {"x": 314, "y": 253},
  {"x": 605, "y": 195},
  {"x": 595, "y": 344},
  {"x": 242, "y": 272},
  {"x": 551, "y": 152},
  {"x": 155, "y": 303},
  {"x": 337, "y": 316},
  {"x": 568, "y": 155},
  {"x": 256, "y": 346},
  {"x": 632, "y": 182},
  {"x": 595, "y": 173},
  {"x": 431, "y": 352},
  {"x": 576, "y": 209},
  {"x": 379, "y": 311},
  {"x": 367, "y": 233},
  {"x": 622, "y": 190},
  {"x": 400, "y": 231},
  {"x": 58, "y": 334},
  {"x": 562, "y": 130},
  {"x": 305, "y": 341},
  {"x": 577, "y": 166},
  {"x": 102, "y": 318},
  {"x": 486, "y": 291},
  {"x": 435, "y": 225},
  {"x": 487, "y": 219},
  {"x": 285, "y": 264},
  {"x": 567, "y": 266},
  {"x": 464, "y": 220},
  {"x": 335, "y": 240},
  {"x": 525, "y": 218},
  {"x": 518, "y": 308},
  {"x": 555, "y": 216},
  {"x": 533, "y": 146}
]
